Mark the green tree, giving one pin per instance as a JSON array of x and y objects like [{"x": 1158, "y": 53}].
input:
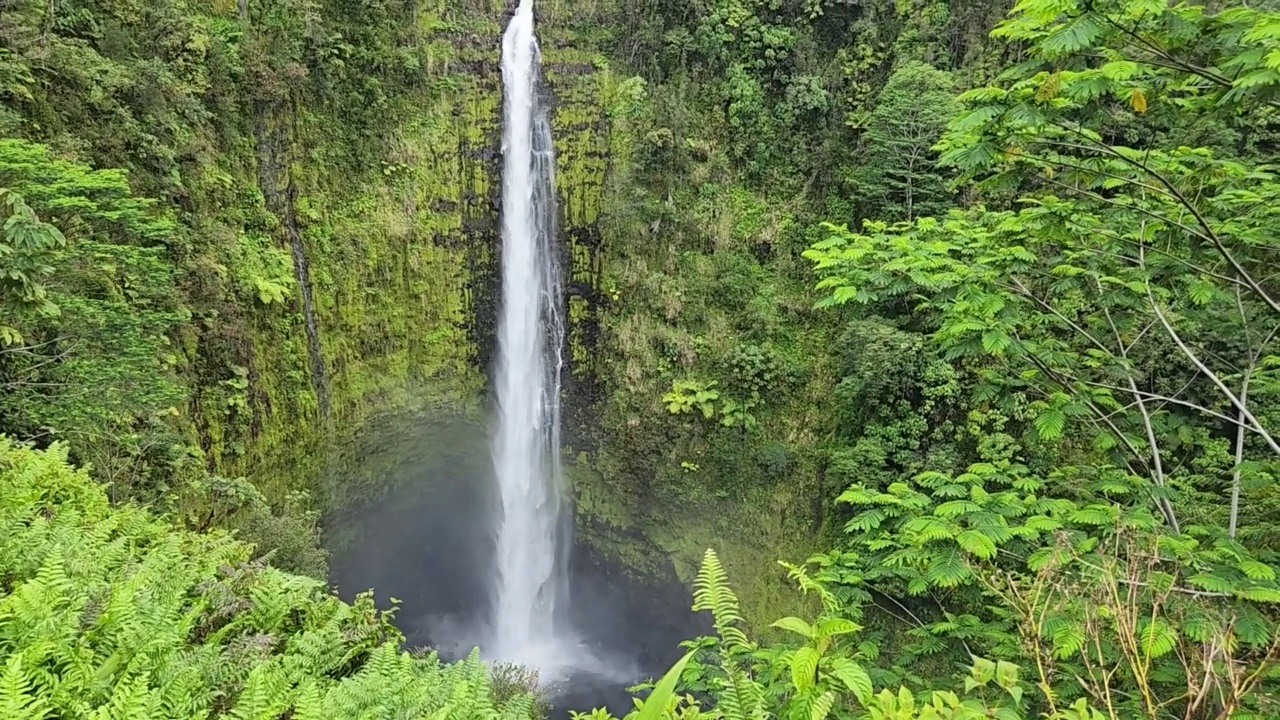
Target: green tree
[
  {"x": 1062, "y": 574},
  {"x": 101, "y": 302},
  {"x": 25, "y": 266},
  {"x": 1130, "y": 296},
  {"x": 899, "y": 174}
]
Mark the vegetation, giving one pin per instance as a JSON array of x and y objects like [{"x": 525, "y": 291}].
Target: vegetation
[
  {"x": 264, "y": 244},
  {"x": 110, "y": 612},
  {"x": 1025, "y": 432},
  {"x": 1040, "y": 380}
]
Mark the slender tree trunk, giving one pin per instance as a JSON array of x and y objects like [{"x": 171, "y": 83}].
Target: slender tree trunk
[
  {"x": 911, "y": 173},
  {"x": 1235, "y": 475},
  {"x": 1157, "y": 465}
]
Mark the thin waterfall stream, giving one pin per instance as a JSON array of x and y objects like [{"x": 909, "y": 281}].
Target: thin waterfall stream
[{"x": 531, "y": 579}]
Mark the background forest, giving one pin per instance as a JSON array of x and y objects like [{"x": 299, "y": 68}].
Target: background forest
[{"x": 967, "y": 311}]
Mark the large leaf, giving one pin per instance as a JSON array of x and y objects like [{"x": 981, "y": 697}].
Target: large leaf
[
  {"x": 835, "y": 626},
  {"x": 804, "y": 667},
  {"x": 854, "y": 677},
  {"x": 795, "y": 625},
  {"x": 655, "y": 706}
]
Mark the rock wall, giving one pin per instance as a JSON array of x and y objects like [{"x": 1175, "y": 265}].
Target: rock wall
[{"x": 403, "y": 259}]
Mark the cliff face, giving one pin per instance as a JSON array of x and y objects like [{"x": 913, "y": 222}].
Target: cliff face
[
  {"x": 404, "y": 274},
  {"x": 327, "y": 176},
  {"x": 323, "y": 174},
  {"x": 402, "y": 258}
]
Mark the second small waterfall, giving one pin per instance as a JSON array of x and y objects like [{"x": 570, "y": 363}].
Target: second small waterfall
[{"x": 531, "y": 580}]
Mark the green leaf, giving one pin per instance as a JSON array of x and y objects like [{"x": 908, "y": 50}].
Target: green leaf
[
  {"x": 1257, "y": 571},
  {"x": 1050, "y": 424},
  {"x": 655, "y": 706},
  {"x": 804, "y": 665},
  {"x": 1158, "y": 638},
  {"x": 954, "y": 508},
  {"x": 995, "y": 341},
  {"x": 1098, "y": 515},
  {"x": 1201, "y": 291},
  {"x": 928, "y": 527},
  {"x": 977, "y": 543},
  {"x": 982, "y": 671},
  {"x": 1261, "y": 594},
  {"x": 1119, "y": 69},
  {"x": 1075, "y": 35},
  {"x": 832, "y": 627},
  {"x": 947, "y": 569},
  {"x": 1212, "y": 583},
  {"x": 821, "y": 707},
  {"x": 1068, "y": 638},
  {"x": 1006, "y": 674},
  {"x": 1199, "y": 627},
  {"x": 1253, "y": 628},
  {"x": 854, "y": 677},
  {"x": 1042, "y": 523},
  {"x": 795, "y": 625}
]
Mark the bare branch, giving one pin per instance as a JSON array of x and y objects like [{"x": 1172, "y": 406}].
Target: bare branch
[{"x": 1195, "y": 359}]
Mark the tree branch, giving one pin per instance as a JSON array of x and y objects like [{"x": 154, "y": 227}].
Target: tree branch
[
  {"x": 1210, "y": 234},
  {"x": 1195, "y": 359}
]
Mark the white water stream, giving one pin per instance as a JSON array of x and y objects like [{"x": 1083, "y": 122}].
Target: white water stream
[{"x": 531, "y": 585}]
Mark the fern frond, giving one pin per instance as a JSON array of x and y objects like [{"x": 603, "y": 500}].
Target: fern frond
[
  {"x": 17, "y": 697},
  {"x": 820, "y": 708},
  {"x": 711, "y": 592}
]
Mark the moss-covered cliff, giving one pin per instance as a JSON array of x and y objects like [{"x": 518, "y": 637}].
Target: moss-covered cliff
[
  {"x": 329, "y": 169},
  {"x": 326, "y": 171},
  {"x": 725, "y": 410},
  {"x": 404, "y": 255}
]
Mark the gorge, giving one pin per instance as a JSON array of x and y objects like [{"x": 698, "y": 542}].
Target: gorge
[{"x": 850, "y": 358}]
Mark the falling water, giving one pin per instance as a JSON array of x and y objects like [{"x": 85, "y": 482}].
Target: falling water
[{"x": 531, "y": 582}]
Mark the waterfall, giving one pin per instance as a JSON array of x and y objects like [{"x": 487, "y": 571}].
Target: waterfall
[{"x": 531, "y": 581}]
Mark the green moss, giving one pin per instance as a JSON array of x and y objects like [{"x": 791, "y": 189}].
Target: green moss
[
  {"x": 749, "y": 532},
  {"x": 402, "y": 254}
]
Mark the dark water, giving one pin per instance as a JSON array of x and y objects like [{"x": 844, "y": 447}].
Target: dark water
[{"x": 421, "y": 532}]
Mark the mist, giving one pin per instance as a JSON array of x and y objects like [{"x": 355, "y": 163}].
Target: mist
[{"x": 423, "y": 533}]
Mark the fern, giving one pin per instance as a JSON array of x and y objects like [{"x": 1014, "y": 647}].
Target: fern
[
  {"x": 820, "y": 708},
  {"x": 711, "y": 593},
  {"x": 113, "y": 614},
  {"x": 17, "y": 697}
]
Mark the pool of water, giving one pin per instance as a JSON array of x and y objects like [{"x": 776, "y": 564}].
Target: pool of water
[{"x": 417, "y": 527}]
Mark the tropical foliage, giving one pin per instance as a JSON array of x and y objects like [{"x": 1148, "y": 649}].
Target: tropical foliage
[
  {"x": 1102, "y": 298},
  {"x": 110, "y": 612},
  {"x": 1031, "y": 425}
]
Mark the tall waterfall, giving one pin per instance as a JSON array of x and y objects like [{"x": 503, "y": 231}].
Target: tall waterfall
[{"x": 531, "y": 581}]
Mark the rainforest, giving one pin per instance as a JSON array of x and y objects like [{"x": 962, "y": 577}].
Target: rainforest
[{"x": 640, "y": 359}]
